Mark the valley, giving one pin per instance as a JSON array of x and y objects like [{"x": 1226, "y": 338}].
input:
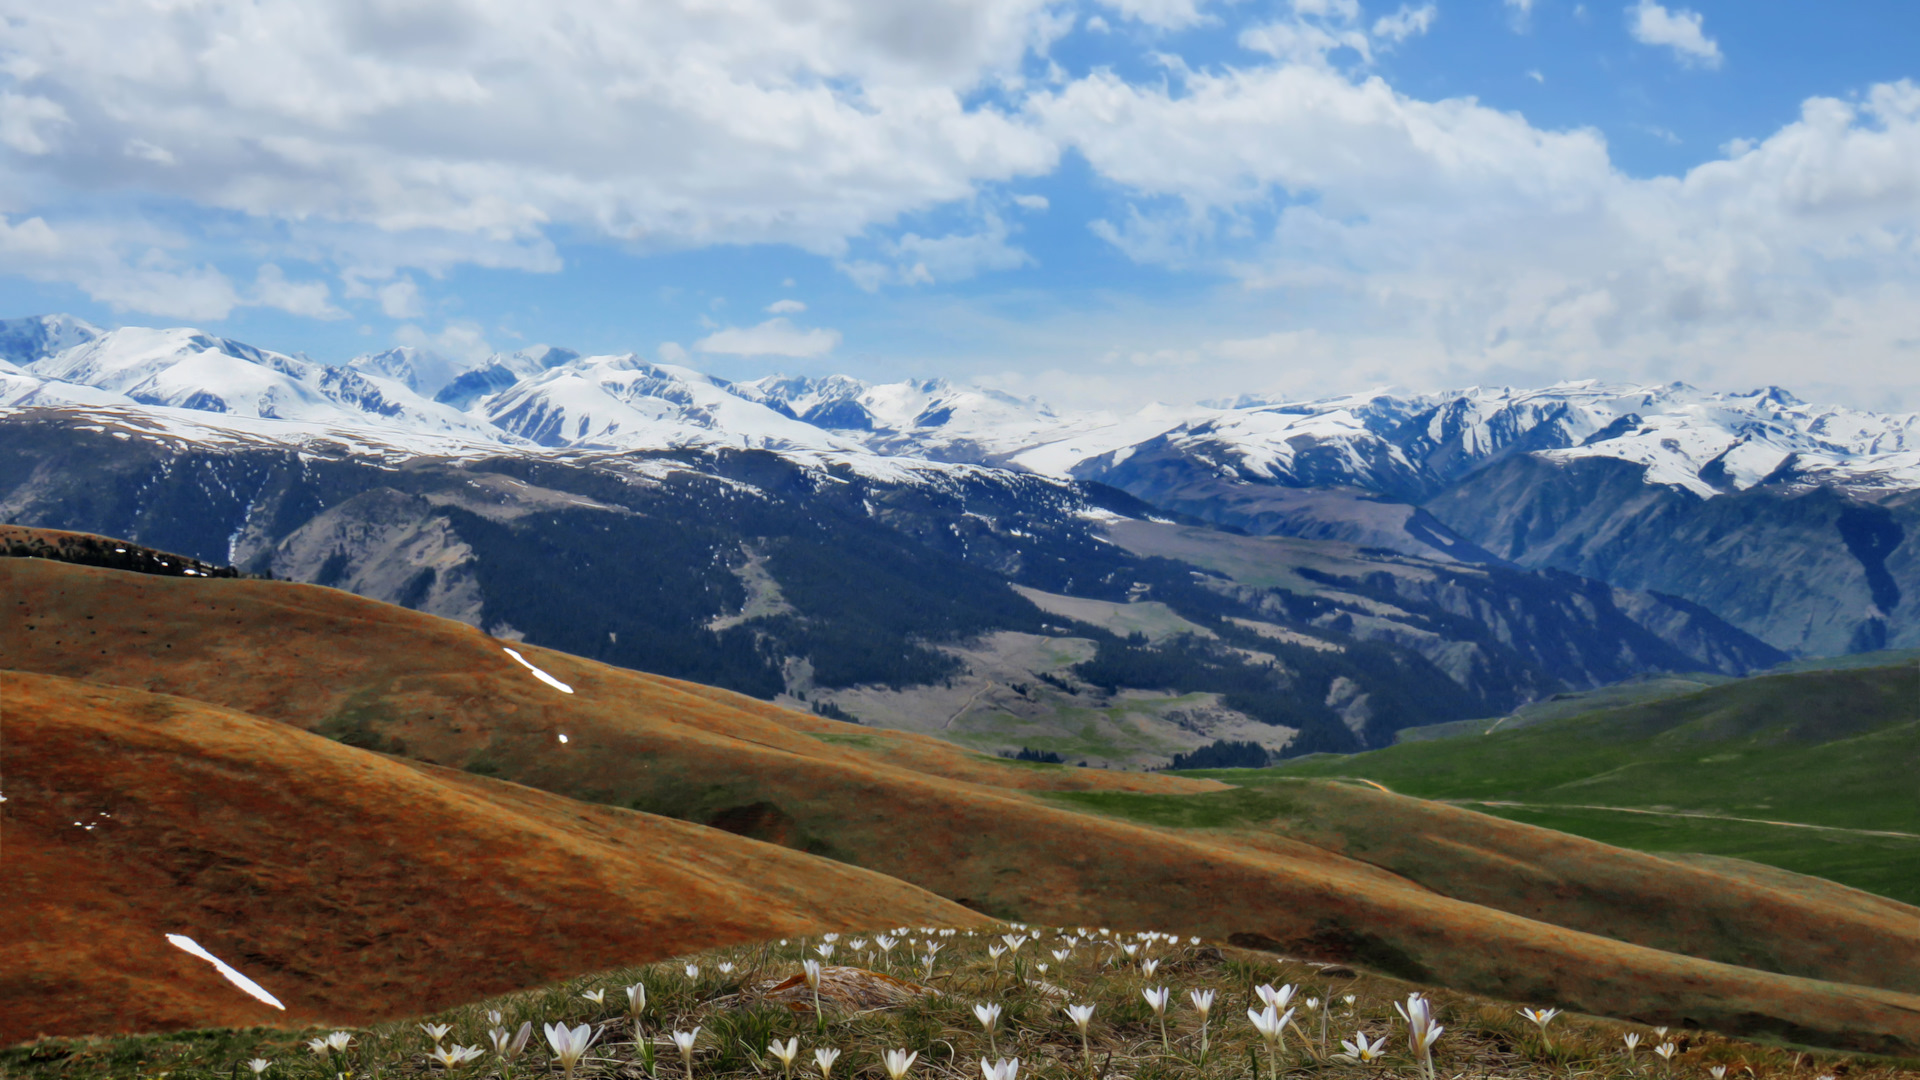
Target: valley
[{"x": 177, "y": 670}]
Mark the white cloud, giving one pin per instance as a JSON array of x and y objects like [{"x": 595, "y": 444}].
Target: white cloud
[
  {"x": 312, "y": 299},
  {"x": 681, "y": 122},
  {"x": 127, "y": 266},
  {"x": 923, "y": 260},
  {"x": 1031, "y": 202},
  {"x": 1408, "y": 22},
  {"x": 1505, "y": 244},
  {"x": 1161, "y": 14},
  {"x": 786, "y": 307},
  {"x": 775, "y": 337},
  {"x": 1536, "y": 76},
  {"x": 460, "y": 340},
  {"x": 1652, "y": 24},
  {"x": 26, "y": 122},
  {"x": 401, "y": 299},
  {"x": 672, "y": 352}
]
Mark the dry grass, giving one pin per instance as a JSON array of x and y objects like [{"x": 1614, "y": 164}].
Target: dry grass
[{"x": 1482, "y": 1038}]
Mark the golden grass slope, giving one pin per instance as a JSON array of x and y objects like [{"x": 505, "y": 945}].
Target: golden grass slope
[
  {"x": 1492, "y": 907},
  {"x": 353, "y": 886}
]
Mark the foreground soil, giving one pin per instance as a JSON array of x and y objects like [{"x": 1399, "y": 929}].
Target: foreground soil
[{"x": 1410, "y": 888}]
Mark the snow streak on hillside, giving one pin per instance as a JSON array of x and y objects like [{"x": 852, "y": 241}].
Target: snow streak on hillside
[{"x": 189, "y": 385}]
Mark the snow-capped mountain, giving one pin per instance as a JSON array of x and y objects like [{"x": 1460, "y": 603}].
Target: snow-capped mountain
[
  {"x": 1404, "y": 447},
  {"x": 23, "y": 341},
  {"x": 1701, "y": 441},
  {"x": 624, "y": 402},
  {"x": 185, "y": 374}
]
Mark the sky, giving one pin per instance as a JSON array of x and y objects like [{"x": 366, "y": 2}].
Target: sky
[{"x": 1101, "y": 203}]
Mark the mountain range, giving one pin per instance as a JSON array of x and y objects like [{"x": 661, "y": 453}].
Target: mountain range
[{"x": 1303, "y": 575}]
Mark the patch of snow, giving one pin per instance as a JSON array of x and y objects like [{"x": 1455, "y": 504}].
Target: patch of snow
[{"x": 541, "y": 675}]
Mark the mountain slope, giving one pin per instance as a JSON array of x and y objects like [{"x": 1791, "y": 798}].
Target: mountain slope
[
  {"x": 881, "y": 595},
  {"x": 1809, "y": 771},
  {"x": 984, "y": 832},
  {"x": 132, "y": 815}
]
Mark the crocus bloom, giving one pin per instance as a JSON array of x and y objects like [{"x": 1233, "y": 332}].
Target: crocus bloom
[
  {"x": 988, "y": 1015},
  {"x": 1632, "y": 1039},
  {"x": 506, "y": 1043},
  {"x": 436, "y": 1032},
  {"x": 455, "y": 1057},
  {"x": 684, "y": 1041},
  {"x": 1359, "y": 1051},
  {"x": 1148, "y": 967},
  {"x": 693, "y": 971},
  {"x": 569, "y": 1044},
  {"x": 259, "y": 1065},
  {"x": 1666, "y": 1050},
  {"x": 786, "y": 1053},
  {"x": 1277, "y": 998},
  {"x": 1422, "y": 1032},
  {"x": 1004, "y": 1069},
  {"x": 636, "y": 999},
  {"x": 898, "y": 1062},
  {"x": 339, "y": 1040},
  {"x": 1719, "y": 1072},
  {"x": 1541, "y": 1018},
  {"x": 825, "y": 1059},
  {"x": 1157, "y": 997}
]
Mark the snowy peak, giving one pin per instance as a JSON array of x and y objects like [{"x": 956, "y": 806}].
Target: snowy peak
[
  {"x": 30, "y": 340},
  {"x": 624, "y": 402},
  {"x": 184, "y": 369}
]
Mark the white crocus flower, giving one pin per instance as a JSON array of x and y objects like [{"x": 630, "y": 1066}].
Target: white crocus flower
[
  {"x": 1272, "y": 1026},
  {"x": 436, "y": 1032},
  {"x": 825, "y": 1058},
  {"x": 259, "y": 1065},
  {"x": 1541, "y": 1018},
  {"x": 339, "y": 1041},
  {"x": 506, "y": 1044},
  {"x": 1719, "y": 1072},
  {"x": 683, "y": 1041},
  {"x": 1422, "y": 1032},
  {"x": 786, "y": 1052},
  {"x": 318, "y": 1046},
  {"x": 598, "y": 997},
  {"x": 1062, "y": 954},
  {"x": 898, "y": 1062},
  {"x": 1082, "y": 1015},
  {"x": 825, "y": 950},
  {"x": 1359, "y": 1051},
  {"x": 811, "y": 969},
  {"x": 1148, "y": 967},
  {"x": 1666, "y": 1050},
  {"x": 1004, "y": 1069},
  {"x": 1157, "y": 997},
  {"x": 569, "y": 1044},
  {"x": 988, "y": 1015},
  {"x": 725, "y": 969},
  {"x": 454, "y": 1058},
  {"x": 693, "y": 971},
  {"x": 1632, "y": 1039},
  {"x": 1277, "y": 998},
  {"x": 829, "y": 937}
]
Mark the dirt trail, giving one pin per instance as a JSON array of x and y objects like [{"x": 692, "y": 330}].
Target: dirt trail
[{"x": 1678, "y": 814}]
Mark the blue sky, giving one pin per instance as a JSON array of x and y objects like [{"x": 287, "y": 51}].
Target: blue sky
[{"x": 1099, "y": 203}]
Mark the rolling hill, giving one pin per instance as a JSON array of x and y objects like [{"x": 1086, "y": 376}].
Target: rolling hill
[
  {"x": 419, "y": 710},
  {"x": 1809, "y": 771}
]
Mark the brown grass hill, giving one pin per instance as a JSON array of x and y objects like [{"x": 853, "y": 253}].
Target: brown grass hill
[
  {"x": 1340, "y": 874},
  {"x": 352, "y": 885}
]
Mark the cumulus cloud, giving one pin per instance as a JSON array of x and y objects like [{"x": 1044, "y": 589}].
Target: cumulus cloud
[
  {"x": 913, "y": 259},
  {"x": 685, "y": 123},
  {"x": 786, "y": 307},
  {"x": 314, "y": 299},
  {"x": 775, "y": 337},
  {"x": 1496, "y": 238},
  {"x": 1680, "y": 30},
  {"x": 1407, "y": 22}
]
